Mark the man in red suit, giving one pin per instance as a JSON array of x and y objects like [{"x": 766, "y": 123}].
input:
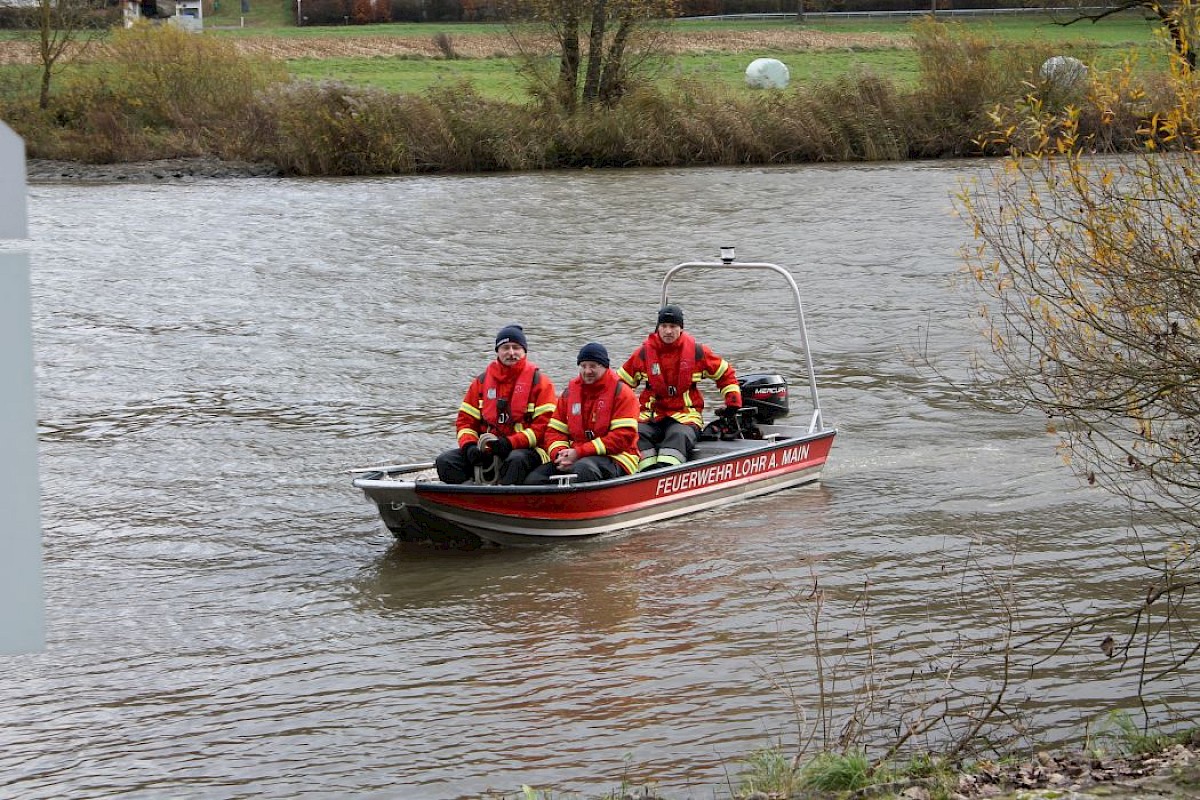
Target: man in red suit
[
  {"x": 513, "y": 401},
  {"x": 593, "y": 432},
  {"x": 671, "y": 363}
]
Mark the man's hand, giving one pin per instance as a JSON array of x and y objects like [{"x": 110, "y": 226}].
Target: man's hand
[
  {"x": 500, "y": 446},
  {"x": 565, "y": 459},
  {"x": 472, "y": 454},
  {"x": 728, "y": 413}
]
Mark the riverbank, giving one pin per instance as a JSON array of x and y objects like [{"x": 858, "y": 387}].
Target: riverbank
[
  {"x": 158, "y": 171},
  {"x": 1172, "y": 773},
  {"x": 141, "y": 105}
]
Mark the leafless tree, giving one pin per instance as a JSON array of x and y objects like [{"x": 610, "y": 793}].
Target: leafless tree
[
  {"x": 57, "y": 31},
  {"x": 599, "y": 45},
  {"x": 1176, "y": 18}
]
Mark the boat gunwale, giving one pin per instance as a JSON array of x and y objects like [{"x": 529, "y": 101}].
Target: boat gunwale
[{"x": 438, "y": 488}]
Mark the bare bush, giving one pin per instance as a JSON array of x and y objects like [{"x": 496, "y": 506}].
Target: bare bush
[{"x": 1087, "y": 273}]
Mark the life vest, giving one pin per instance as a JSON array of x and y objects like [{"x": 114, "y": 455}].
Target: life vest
[
  {"x": 689, "y": 355},
  {"x": 501, "y": 413},
  {"x": 601, "y": 411}
]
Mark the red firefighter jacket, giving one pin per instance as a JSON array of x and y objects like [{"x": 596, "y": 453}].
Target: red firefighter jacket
[
  {"x": 491, "y": 405},
  {"x": 597, "y": 420},
  {"x": 671, "y": 372}
]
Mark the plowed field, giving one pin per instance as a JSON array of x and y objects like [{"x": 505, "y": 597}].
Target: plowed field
[{"x": 484, "y": 46}]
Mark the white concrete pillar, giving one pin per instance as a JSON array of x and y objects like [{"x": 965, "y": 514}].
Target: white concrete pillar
[{"x": 22, "y": 603}]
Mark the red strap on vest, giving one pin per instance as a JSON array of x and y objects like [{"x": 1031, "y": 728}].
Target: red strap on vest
[
  {"x": 682, "y": 379},
  {"x": 518, "y": 403}
]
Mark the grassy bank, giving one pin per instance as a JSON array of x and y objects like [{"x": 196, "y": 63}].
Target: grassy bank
[
  {"x": 911, "y": 90},
  {"x": 707, "y": 50},
  {"x": 1119, "y": 766},
  {"x": 498, "y": 78}
]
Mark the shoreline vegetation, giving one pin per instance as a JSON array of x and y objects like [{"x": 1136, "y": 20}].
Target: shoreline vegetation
[
  {"x": 1168, "y": 768},
  {"x": 318, "y": 104}
]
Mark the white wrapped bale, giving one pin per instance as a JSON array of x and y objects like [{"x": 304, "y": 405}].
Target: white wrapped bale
[{"x": 767, "y": 73}]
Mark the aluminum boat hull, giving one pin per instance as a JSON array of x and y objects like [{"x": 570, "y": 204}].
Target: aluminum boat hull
[{"x": 724, "y": 472}]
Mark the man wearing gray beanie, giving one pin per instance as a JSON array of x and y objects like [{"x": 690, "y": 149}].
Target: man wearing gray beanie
[{"x": 502, "y": 417}]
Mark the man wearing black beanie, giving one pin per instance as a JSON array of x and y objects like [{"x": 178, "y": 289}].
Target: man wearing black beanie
[
  {"x": 593, "y": 433},
  {"x": 670, "y": 361},
  {"x": 511, "y": 400}
]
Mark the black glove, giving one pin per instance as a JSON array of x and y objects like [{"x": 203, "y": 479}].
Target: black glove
[
  {"x": 501, "y": 447},
  {"x": 728, "y": 412},
  {"x": 472, "y": 454}
]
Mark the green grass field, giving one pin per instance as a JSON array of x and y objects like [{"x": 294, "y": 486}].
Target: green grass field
[
  {"x": 1104, "y": 45},
  {"x": 498, "y": 77},
  {"x": 1120, "y": 29},
  {"x": 122, "y": 103},
  {"x": 492, "y": 77}
]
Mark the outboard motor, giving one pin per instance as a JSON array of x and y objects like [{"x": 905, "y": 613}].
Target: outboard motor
[
  {"x": 764, "y": 400},
  {"x": 766, "y": 394}
]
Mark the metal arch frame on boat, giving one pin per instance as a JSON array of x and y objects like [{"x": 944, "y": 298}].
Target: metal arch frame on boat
[{"x": 727, "y": 262}]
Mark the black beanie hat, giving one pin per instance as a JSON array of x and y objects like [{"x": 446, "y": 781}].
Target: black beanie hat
[
  {"x": 512, "y": 333},
  {"x": 672, "y": 314},
  {"x": 593, "y": 351}
]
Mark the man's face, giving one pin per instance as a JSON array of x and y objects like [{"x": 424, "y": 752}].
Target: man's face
[
  {"x": 669, "y": 332},
  {"x": 591, "y": 372},
  {"x": 510, "y": 353}
]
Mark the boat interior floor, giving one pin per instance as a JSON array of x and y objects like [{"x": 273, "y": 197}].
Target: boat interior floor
[
  {"x": 705, "y": 449},
  {"x": 719, "y": 447}
]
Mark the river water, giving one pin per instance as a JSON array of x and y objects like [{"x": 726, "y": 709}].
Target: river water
[{"x": 227, "y": 618}]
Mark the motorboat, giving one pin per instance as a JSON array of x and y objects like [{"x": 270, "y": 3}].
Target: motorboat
[{"x": 747, "y": 456}]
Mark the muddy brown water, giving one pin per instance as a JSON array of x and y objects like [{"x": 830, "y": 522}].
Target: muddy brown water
[{"x": 227, "y": 619}]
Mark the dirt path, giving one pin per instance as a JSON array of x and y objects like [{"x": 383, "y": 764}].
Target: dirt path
[{"x": 484, "y": 46}]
